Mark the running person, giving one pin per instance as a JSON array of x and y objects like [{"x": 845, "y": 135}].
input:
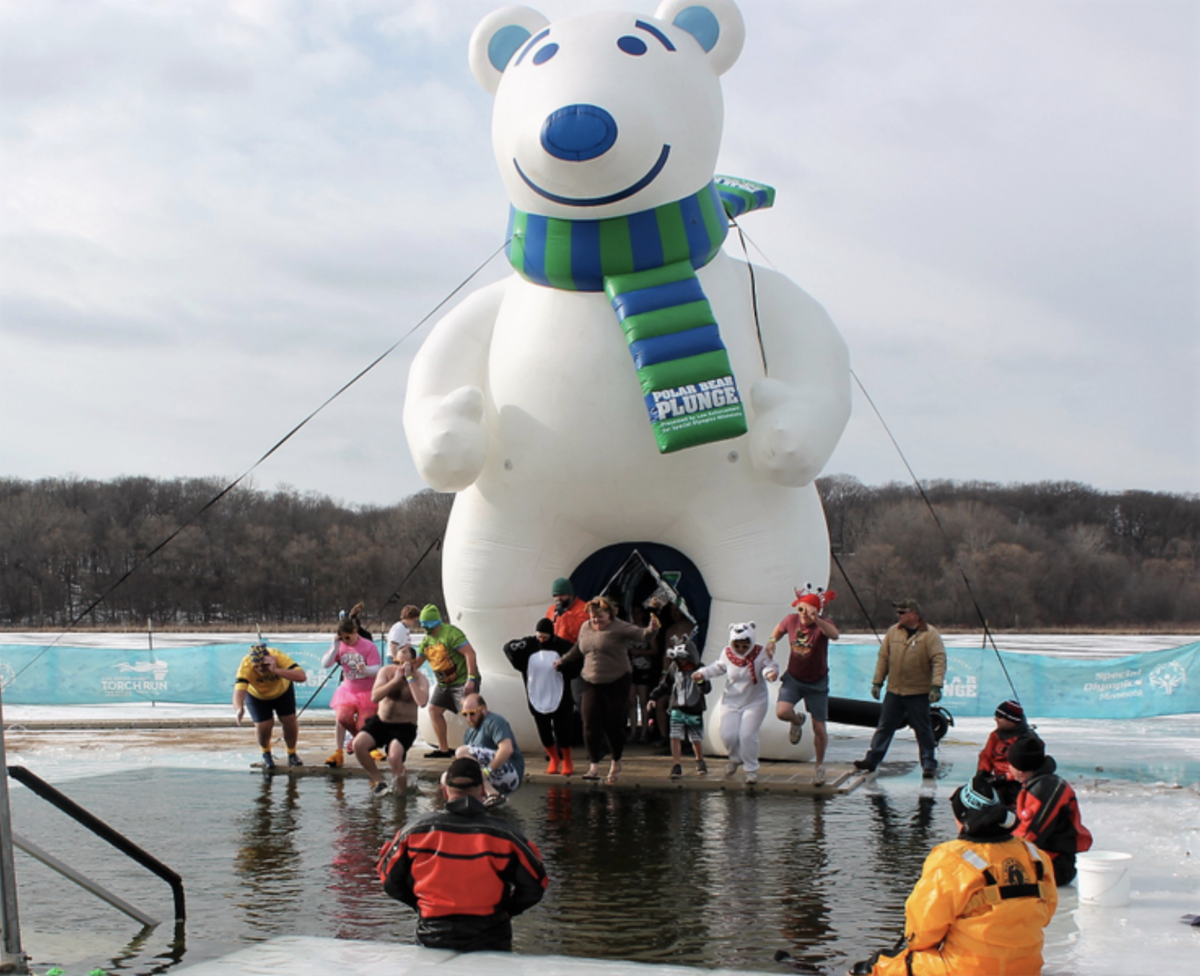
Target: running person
[
  {"x": 807, "y": 676},
  {"x": 265, "y": 684}
]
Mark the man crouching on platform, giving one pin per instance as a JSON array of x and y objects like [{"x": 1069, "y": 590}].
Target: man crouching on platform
[
  {"x": 465, "y": 872},
  {"x": 400, "y": 690}
]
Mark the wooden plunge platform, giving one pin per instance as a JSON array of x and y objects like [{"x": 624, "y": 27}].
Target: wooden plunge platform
[{"x": 644, "y": 766}]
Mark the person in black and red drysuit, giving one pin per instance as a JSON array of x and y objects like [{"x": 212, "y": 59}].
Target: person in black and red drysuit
[
  {"x": 466, "y": 873},
  {"x": 1047, "y": 808}
]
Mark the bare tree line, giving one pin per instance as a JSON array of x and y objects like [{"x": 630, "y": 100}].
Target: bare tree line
[
  {"x": 274, "y": 558},
  {"x": 1037, "y": 555},
  {"x": 1051, "y": 554}
]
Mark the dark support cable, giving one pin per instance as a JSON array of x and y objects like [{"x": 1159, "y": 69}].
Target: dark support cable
[
  {"x": 857, "y": 598},
  {"x": 102, "y": 830},
  {"x": 245, "y": 474},
  {"x": 987, "y": 633},
  {"x": 753, "y": 295},
  {"x": 436, "y": 542}
]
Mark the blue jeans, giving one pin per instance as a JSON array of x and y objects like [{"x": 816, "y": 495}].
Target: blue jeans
[{"x": 899, "y": 711}]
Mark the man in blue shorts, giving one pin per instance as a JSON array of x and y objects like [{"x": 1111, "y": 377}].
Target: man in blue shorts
[
  {"x": 265, "y": 684},
  {"x": 491, "y": 743},
  {"x": 806, "y": 679}
]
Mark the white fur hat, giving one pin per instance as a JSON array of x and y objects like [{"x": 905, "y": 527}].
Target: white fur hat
[{"x": 742, "y": 632}]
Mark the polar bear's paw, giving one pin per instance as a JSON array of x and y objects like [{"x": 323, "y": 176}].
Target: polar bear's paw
[
  {"x": 455, "y": 440},
  {"x": 782, "y": 436}
]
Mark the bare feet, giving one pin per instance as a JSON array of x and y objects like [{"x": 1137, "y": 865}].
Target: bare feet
[{"x": 593, "y": 772}]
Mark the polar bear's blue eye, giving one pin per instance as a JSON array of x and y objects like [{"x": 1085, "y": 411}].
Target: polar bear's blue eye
[
  {"x": 545, "y": 54},
  {"x": 632, "y": 45}
]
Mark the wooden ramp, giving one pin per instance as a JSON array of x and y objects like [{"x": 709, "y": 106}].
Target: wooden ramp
[{"x": 642, "y": 768}]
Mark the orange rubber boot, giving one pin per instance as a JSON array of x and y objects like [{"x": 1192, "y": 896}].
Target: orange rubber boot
[
  {"x": 567, "y": 767},
  {"x": 552, "y": 753}
]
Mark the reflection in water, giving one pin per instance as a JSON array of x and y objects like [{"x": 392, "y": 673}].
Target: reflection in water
[
  {"x": 707, "y": 879},
  {"x": 360, "y": 826},
  {"x": 267, "y": 863}
]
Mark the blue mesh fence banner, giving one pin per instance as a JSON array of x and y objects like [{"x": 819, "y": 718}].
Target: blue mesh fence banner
[
  {"x": 197, "y": 675},
  {"x": 1138, "y": 686}
]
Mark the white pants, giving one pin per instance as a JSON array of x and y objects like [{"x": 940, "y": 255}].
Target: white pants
[{"x": 739, "y": 731}]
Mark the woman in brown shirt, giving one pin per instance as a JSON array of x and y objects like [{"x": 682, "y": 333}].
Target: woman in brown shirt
[{"x": 603, "y": 647}]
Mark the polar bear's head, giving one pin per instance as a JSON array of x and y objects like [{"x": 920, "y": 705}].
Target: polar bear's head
[
  {"x": 608, "y": 113},
  {"x": 742, "y": 632}
]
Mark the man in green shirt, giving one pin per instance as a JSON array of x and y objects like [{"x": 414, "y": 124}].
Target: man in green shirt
[{"x": 452, "y": 659}]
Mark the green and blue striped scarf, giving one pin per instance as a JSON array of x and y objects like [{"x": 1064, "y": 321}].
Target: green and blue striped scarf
[{"x": 646, "y": 263}]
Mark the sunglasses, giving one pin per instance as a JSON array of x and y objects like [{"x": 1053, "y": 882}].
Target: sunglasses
[{"x": 472, "y": 711}]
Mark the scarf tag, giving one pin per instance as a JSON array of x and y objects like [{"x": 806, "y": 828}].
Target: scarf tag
[{"x": 646, "y": 263}]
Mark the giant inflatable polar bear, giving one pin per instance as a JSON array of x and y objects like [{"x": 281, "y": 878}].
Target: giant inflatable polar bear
[{"x": 526, "y": 400}]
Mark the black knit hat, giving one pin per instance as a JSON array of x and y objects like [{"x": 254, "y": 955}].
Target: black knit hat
[
  {"x": 1027, "y": 754},
  {"x": 545, "y": 626},
  {"x": 1010, "y": 710}
]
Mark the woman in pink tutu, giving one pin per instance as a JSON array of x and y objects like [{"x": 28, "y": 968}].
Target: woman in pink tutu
[{"x": 355, "y": 650}]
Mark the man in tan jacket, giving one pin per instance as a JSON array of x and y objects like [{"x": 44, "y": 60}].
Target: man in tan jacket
[{"x": 912, "y": 660}]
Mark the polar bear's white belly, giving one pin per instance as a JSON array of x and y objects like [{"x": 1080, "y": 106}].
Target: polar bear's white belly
[{"x": 561, "y": 374}]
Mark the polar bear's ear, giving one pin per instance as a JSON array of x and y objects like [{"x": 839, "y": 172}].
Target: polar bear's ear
[
  {"x": 496, "y": 40},
  {"x": 716, "y": 24}
]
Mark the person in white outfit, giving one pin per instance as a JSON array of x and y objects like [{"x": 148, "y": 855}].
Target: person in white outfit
[{"x": 747, "y": 668}]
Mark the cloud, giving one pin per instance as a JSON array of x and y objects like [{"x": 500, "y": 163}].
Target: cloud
[{"x": 215, "y": 214}]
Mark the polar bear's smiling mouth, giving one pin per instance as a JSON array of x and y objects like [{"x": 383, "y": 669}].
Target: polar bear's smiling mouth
[{"x": 599, "y": 201}]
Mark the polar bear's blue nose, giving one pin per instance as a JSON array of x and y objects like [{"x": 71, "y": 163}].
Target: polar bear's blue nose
[{"x": 578, "y": 132}]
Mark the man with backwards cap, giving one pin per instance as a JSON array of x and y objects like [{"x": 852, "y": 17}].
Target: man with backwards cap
[
  {"x": 1047, "y": 808},
  {"x": 981, "y": 903},
  {"x": 993, "y": 760},
  {"x": 912, "y": 660},
  {"x": 465, "y": 872},
  {"x": 452, "y": 658}
]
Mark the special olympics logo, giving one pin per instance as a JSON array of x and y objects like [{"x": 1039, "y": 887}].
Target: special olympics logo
[{"x": 1168, "y": 677}]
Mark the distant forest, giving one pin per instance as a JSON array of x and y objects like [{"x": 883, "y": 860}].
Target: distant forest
[{"x": 1047, "y": 555}]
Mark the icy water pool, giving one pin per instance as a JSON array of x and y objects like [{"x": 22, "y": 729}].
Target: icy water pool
[{"x": 705, "y": 879}]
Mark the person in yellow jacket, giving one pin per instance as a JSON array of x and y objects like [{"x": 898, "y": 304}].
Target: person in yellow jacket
[{"x": 981, "y": 903}]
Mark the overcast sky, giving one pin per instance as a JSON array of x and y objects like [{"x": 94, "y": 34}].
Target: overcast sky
[{"x": 217, "y": 213}]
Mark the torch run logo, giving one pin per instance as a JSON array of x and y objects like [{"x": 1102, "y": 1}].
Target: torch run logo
[{"x": 145, "y": 676}]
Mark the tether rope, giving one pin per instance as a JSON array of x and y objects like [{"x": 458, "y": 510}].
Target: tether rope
[{"x": 150, "y": 554}]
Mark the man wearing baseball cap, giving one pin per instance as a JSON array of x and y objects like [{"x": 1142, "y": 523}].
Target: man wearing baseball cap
[
  {"x": 912, "y": 661},
  {"x": 466, "y": 873}
]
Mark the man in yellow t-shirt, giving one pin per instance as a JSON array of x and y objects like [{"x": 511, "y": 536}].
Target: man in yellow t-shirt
[{"x": 265, "y": 683}]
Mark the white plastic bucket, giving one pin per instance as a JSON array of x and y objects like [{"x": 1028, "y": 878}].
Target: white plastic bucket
[{"x": 1104, "y": 878}]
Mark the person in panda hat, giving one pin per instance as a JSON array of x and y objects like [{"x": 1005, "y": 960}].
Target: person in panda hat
[
  {"x": 747, "y": 668},
  {"x": 685, "y": 701}
]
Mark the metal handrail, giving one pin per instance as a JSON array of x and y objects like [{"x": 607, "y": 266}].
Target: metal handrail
[{"x": 102, "y": 830}]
